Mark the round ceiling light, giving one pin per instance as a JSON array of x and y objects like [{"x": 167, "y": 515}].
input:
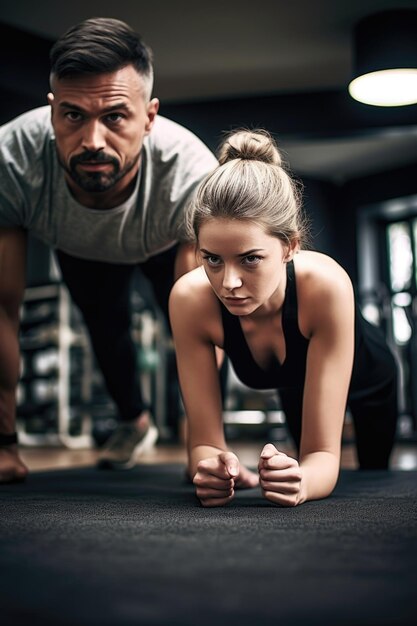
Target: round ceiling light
[{"x": 385, "y": 59}]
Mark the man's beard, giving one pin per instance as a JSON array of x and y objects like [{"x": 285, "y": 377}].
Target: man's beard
[{"x": 96, "y": 181}]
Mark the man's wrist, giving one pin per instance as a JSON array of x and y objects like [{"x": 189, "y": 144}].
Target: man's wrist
[{"x": 8, "y": 439}]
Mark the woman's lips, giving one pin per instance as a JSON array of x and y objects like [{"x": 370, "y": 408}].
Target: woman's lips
[{"x": 236, "y": 301}]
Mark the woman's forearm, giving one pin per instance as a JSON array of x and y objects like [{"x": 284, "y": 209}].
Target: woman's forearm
[
  {"x": 320, "y": 471},
  {"x": 197, "y": 453}
]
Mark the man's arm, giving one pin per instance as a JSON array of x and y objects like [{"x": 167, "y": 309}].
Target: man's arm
[
  {"x": 12, "y": 285},
  {"x": 186, "y": 259}
]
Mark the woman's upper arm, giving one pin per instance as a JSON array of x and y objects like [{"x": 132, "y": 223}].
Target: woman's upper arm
[
  {"x": 329, "y": 364},
  {"x": 193, "y": 319}
]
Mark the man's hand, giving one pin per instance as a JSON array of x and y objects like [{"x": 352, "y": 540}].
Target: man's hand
[
  {"x": 12, "y": 469},
  {"x": 280, "y": 477},
  {"x": 218, "y": 476}
]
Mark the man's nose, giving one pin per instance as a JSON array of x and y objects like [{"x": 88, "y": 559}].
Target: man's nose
[{"x": 94, "y": 137}]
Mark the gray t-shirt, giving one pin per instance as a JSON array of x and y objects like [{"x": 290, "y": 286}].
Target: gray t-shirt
[{"x": 35, "y": 196}]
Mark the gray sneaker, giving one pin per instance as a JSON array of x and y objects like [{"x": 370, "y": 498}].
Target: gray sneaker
[{"x": 125, "y": 445}]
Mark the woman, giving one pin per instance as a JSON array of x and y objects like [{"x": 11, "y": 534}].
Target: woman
[{"x": 287, "y": 319}]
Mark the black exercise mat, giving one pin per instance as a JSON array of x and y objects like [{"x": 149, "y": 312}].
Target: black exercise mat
[{"x": 89, "y": 547}]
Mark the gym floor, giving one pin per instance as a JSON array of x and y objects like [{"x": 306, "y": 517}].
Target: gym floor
[{"x": 41, "y": 458}]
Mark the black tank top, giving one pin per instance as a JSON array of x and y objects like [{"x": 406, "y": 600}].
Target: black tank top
[
  {"x": 292, "y": 372},
  {"x": 374, "y": 366}
]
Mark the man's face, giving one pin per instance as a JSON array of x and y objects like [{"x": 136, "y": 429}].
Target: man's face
[{"x": 100, "y": 122}]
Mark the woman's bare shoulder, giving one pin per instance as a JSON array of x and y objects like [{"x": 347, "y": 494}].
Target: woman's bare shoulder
[
  {"x": 193, "y": 301},
  {"x": 316, "y": 269},
  {"x": 324, "y": 289},
  {"x": 192, "y": 287}
]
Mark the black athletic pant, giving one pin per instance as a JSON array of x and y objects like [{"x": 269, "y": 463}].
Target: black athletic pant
[
  {"x": 102, "y": 292},
  {"x": 374, "y": 419}
]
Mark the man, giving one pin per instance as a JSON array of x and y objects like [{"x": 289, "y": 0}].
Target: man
[{"x": 104, "y": 181}]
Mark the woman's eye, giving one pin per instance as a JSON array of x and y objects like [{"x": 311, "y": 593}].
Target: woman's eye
[
  {"x": 251, "y": 259},
  {"x": 212, "y": 260}
]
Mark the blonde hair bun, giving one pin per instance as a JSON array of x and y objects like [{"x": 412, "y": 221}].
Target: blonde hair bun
[
  {"x": 250, "y": 145},
  {"x": 251, "y": 184}
]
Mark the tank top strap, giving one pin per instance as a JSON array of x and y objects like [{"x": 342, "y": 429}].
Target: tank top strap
[
  {"x": 296, "y": 345},
  {"x": 290, "y": 310},
  {"x": 290, "y": 327}
]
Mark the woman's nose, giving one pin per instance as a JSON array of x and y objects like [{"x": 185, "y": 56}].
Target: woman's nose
[{"x": 231, "y": 279}]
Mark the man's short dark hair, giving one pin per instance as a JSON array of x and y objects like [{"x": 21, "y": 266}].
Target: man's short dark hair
[{"x": 97, "y": 46}]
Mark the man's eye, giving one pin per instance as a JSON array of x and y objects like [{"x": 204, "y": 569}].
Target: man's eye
[
  {"x": 73, "y": 116},
  {"x": 114, "y": 118}
]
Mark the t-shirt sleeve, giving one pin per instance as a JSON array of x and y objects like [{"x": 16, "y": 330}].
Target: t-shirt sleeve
[
  {"x": 22, "y": 178},
  {"x": 11, "y": 197},
  {"x": 180, "y": 162}
]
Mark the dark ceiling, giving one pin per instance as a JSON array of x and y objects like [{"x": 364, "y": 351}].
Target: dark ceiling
[{"x": 240, "y": 48}]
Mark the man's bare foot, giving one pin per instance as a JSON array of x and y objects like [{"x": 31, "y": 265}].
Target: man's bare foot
[{"x": 12, "y": 469}]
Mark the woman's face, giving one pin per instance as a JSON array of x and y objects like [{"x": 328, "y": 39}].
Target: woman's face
[{"x": 244, "y": 265}]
